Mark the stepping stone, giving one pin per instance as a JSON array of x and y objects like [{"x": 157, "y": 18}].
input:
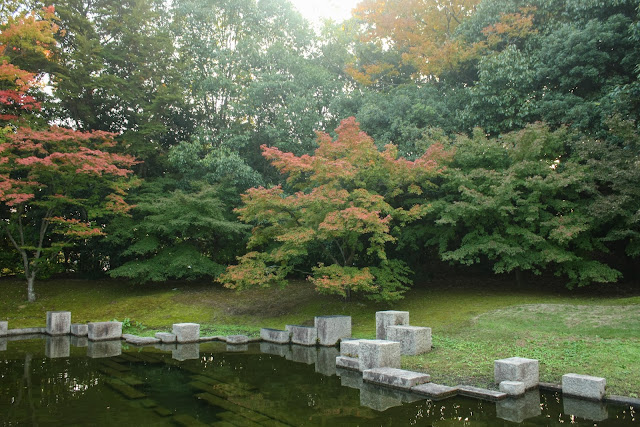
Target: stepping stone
[
  {"x": 398, "y": 378},
  {"x": 378, "y": 354},
  {"x": 481, "y": 393},
  {"x": 435, "y": 391},
  {"x": 517, "y": 369},
  {"x": 413, "y": 340},
  {"x": 348, "y": 363},
  {"x": 389, "y": 318},
  {"x": 303, "y": 335},
  {"x": 332, "y": 329}
]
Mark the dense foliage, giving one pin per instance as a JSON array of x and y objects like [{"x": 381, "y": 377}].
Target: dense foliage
[{"x": 529, "y": 111}]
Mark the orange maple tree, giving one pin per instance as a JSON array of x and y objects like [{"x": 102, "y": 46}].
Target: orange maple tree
[
  {"x": 337, "y": 216},
  {"x": 421, "y": 30}
]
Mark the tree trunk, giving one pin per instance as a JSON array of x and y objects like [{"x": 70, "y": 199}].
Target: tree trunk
[{"x": 31, "y": 294}]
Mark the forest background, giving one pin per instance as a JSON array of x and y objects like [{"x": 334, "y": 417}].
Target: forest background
[{"x": 157, "y": 140}]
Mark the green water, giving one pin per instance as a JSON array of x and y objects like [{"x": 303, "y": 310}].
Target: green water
[{"x": 54, "y": 383}]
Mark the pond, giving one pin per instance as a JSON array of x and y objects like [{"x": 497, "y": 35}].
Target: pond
[{"x": 66, "y": 381}]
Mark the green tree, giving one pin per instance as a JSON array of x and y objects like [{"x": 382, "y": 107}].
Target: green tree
[
  {"x": 176, "y": 234},
  {"x": 520, "y": 203}
]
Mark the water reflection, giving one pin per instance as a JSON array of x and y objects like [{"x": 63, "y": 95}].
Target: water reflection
[
  {"x": 56, "y": 347},
  {"x": 594, "y": 411},
  {"x": 189, "y": 384},
  {"x": 519, "y": 409}
]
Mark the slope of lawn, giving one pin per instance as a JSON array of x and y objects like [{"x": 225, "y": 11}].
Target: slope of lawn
[{"x": 474, "y": 321}]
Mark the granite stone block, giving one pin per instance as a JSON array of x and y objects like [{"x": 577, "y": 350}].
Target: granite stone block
[
  {"x": 398, "y": 378},
  {"x": 348, "y": 363},
  {"x": 79, "y": 329},
  {"x": 389, "y": 318},
  {"x": 135, "y": 340},
  {"x": 350, "y": 348},
  {"x": 332, "y": 329},
  {"x": 102, "y": 331},
  {"x": 303, "y": 335},
  {"x": 237, "y": 339},
  {"x": 481, "y": 393},
  {"x": 186, "y": 332},
  {"x": 275, "y": 336},
  {"x": 166, "y": 337},
  {"x": 413, "y": 340},
  {"x": 512, "y": 388},
  {"x": 435, "y": 391},
  {"x": 583, "y": 386},
  {"x": 378, "y": 354},
  {"x": 4, "y": 327},
  {"x": 58, "y": 322},
  {"x": 517, "y": 369}
]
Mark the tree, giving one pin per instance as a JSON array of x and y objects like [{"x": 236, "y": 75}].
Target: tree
[
  {"x": 422, "y": 31},
  {"x": 176, "y": 234},
  {"x": 521, "y": 203},
  {"x": 341, "y": 209},
  {"x": 58, "y": 186}
]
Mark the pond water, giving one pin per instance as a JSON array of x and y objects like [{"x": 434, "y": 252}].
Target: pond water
[{"x": 67, "y": 381}]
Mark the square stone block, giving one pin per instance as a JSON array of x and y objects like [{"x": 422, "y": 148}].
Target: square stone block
[
  {"x": 79, "y": 329},
  {"x": 102, "y": 331},
  {"x": 166, "y": 337},
  {"x": 413, "y": 339},
  {"x": 57, "y": 346},
  {"x": 58, "y": 322},
  {"x": 99, "y": 349},
  {"x": 189, "y": 351},
  {"x": 332, "y": 329},
  {"x": 4, "y": 327},
  {"x": 512, "y": 388},
  {"x": 346, "y": 362},
  {"x": 517, "y": 369},
  {"x": 398, "y": 378},
  {"x": 186, "y": 332},
  {"x": 237, "y": 339},
  {"x": 389, "y": 318},
  {"x": 275, "y": 335},
  {"x": 303, "y": 335},
  {"x": 350, "y": 348},
  {"x": 378, "y": 354},
  {"x": 584, "y": 386}
]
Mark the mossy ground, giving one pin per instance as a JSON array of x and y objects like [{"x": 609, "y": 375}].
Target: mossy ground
[{"x": 474, "y": 321}]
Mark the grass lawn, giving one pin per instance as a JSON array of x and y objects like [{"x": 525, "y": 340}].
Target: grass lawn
[{"x": 474, "y": 321}]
